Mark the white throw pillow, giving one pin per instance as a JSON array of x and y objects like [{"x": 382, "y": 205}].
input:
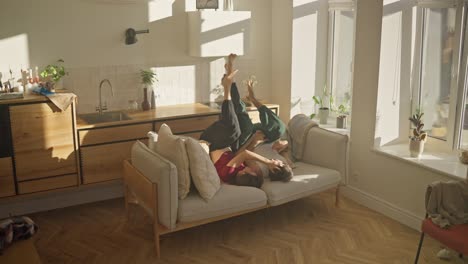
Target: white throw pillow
[
  {"x": 204, "y": 174},
  {"x": 173, "y": 148}
]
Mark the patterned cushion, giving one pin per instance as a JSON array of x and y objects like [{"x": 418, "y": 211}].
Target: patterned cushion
[
  {"x": 173, "y": 148},
  {"x": 202, "y": 170}
]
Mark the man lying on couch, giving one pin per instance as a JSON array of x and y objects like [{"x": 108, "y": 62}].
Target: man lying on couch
[{"x": 234, "y": 130}]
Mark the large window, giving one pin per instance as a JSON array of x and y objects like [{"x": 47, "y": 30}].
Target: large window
[
  {"x": 422, "y": 68},
  {"x": 340, "y": 66},
  {"x": 432, "y": 95}
]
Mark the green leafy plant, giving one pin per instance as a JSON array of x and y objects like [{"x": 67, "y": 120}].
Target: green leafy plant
[
  {"x": 416, "y": 121},
  {"x": 312, "y": 116},
  {"x": 320, "y": 100},
  {"x": 343, "y": 109},
  {"x": 54, "y": 72},
  {"x": 148, "y": 77}
]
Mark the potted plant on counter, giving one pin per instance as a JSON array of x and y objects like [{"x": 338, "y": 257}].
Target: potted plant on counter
[
  {"x": 324, "y": 111},
  {"x": 53, "y": 74},
  {"x": 148, "y": 78},
  {"x": 419, "y": 137}
]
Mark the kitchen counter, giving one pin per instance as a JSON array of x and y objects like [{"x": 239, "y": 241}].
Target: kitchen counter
[
  {"x": 162, "y": 112},
  {"x": 29, "y": 98}
]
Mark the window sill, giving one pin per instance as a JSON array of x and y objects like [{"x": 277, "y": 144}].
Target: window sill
[
  {"x": 439, "y": 162},
  {"x": 331, "y": 126}
]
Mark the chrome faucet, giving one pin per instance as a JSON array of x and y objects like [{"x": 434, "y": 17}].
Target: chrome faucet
[{"x": 101, "y": 108}]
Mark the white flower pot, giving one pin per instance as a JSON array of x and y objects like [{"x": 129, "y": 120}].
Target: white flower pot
[
  {"x": 416, "y": 148},
  {"x": 323, "y": 115}
]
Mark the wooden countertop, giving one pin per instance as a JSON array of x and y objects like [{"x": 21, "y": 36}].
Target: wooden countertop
[
  {"x": 160, "y": 113},
  {"x": 29, "y": 98}
]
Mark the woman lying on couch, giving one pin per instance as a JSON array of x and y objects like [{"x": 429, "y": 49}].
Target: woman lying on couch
[{"x": 226, "y": 135}]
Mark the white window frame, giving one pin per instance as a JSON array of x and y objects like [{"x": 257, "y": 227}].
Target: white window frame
[
  {"x": 338, "y": 5},
  {"x": 453, "y": 137},
  {"x": 462, "y": 79}
]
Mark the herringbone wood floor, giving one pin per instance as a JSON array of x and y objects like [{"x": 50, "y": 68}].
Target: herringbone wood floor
[{"x": 310, "y": 230}]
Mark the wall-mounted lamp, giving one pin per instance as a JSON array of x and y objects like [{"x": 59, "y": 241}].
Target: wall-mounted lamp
[{"x": 130, "y": 35}]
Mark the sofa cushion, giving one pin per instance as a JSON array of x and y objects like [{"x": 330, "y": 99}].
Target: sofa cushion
[
  {"x": 173, "y": 148},
  {"x": 228, "y": 200},
  {"x": 308, "y": 179},
  {"x": 203, "y": 172},
  {"x": 161, "y": 171}
]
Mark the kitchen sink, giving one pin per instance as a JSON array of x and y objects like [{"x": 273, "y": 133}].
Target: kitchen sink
[{"x": 95, "y": 118}]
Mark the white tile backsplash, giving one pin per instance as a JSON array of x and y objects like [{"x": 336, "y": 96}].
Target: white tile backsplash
[{"x": 178, "y": 84}]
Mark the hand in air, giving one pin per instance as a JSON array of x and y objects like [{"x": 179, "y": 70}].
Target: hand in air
[{"x": 275, "y": 165}]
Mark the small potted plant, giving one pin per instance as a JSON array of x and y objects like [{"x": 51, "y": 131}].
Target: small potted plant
[
  {"x": 52, "y": 75},
  {"x": 342, "y": 118},
  {"x": 148, "y": 78},
  {"x": 324, "y": 111},
  {"x": 419, "y": 137}
]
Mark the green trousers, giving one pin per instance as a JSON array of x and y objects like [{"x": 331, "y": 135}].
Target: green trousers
[{"x": 270, "y": 124}]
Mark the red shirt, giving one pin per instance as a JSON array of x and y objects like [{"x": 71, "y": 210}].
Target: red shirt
[{"x": 227, "y": 173}]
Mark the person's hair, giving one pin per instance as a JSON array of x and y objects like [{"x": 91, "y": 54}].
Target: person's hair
[
  {"x": 284, "y": 174},
  {"x": 247, "y": 179}
]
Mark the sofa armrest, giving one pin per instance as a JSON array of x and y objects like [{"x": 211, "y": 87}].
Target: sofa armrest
[
  {"x": 327, "y": 149},
  {"x": 159, "y": 170}
]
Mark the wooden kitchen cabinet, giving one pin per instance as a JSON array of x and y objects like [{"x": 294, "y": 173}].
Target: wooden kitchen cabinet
[
  {"x": 103, "y": 148},
  {"x": 7, "y": 180},
  {"x": 43, "y": 141},
  {"x": 104, "y": 162}
]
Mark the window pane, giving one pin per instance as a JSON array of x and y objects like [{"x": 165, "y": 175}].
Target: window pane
[
  {"x": 464, "y": 124},
  {"x": 436, "y": 69},
  {"x": 342, "y": 55}
]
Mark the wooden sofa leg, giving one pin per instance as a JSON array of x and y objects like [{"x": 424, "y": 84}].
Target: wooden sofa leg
[
  {"x": 156, "y": 239},
  {"x": 126, "y": 195},
  {"x": 337, "y": 196},
  {"x": 156, "y": 221}
]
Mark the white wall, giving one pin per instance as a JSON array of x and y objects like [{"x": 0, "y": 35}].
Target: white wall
[
  {"x": 281, "y": 39},
  {"x": 89, "y": 36}
]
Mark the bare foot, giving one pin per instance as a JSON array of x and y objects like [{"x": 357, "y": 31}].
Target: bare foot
[
  {"x": 230, "y": 62},
  {"x": 251, "y": 95}
]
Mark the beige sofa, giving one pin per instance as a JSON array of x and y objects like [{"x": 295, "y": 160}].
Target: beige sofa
[{"x": 151, "y": 181}]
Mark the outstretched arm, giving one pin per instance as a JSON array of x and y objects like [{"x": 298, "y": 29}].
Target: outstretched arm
[{"x": 247, "y": 155}]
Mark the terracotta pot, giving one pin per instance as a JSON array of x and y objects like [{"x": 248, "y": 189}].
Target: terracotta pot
[{"x": 416, "y": 148}]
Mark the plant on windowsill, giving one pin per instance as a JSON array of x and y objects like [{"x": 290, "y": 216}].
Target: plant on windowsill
[
  {"x": 148, "y": 78},
  {"x": 342, "y": 118},
  {"x": 419, "y": 137},
  {"x": 324, "y": 111},
  {"x": 52, "y": 75}
]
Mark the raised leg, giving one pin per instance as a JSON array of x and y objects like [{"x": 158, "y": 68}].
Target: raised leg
[{"x": 419, "y": 248}]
